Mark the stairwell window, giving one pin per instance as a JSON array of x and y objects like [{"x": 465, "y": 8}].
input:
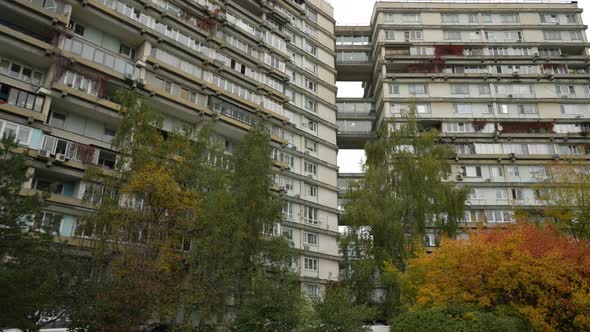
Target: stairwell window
[
  {"x": 311, "y": 190},
  {"x": 418, "y": 89},
  {"x": 552, "y": 35},
  {"x": 394, "y": 89},
  {"x": 571, "y": 18},
  {"x": 459, "y": 89},
  {"x": 310, "y": 215},
  {"x": 311, "y": 264},
  {"x": 411, "y": 18},
  {"x": 311, "y": 105},
  {"x": 509, "y": 18},
  {"x": 310, "y": 239},
  {"x": 452, "y": 35},
  {"x": 450, "y": 18},
  {"x": 310, "y": 168},
  {"x": 549, "y": 18},
  {"x": 311, "y": 85},
  {"x": 575, "y": 35}
]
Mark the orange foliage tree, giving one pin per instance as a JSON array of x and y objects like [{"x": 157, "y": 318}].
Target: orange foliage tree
[{"x": 541, "y": 275}]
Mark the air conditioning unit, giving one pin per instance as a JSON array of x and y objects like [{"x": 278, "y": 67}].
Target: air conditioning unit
[
  {"x": 309, "y": 175},
  {"x": 44, "y": 153},
  {"x": 60, "y": 157},
  {"x": 459, "y": 177},
  {"x": 488, "y": 180},
  {"x": 306, "y": 248},
  {"x": 306, "y": 152},
  {"x": 510, "y": 96},
  {"x": 129, "y": 76},
  {"x": 564, "y": 97}
]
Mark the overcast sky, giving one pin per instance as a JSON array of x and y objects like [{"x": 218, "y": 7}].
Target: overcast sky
[{"x": 358, "y": 12}]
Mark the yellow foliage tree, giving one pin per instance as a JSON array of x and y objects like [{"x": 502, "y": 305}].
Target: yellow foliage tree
[{"x": 543, "y": 276}]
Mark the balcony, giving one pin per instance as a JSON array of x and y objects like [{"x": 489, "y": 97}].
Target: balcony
[
  {"x": 20, "y": 98},
  {"x": 55, "y": 6},
  {"x": 101, "y": 56}
]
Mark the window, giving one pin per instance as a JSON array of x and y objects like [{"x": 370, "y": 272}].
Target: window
[
  {"x": 490, "y": 35},
  {"x": 501, "y": 194},
  {"x": 450, "y": 18},
  {"x": 311, "y": 14},
  {"x": 552, "y": 35},
  {"x": 310, "y": 168},
  {"x": 310, "y": 66},
  {"x": 126, "y": 51},
  {"x": 487, "y": 18},
  {"x": 109, "y": 134},
  {"x": 565, "y": 89},
  {"x": 49, "y": 222},
  {"x": 311, "y": 145},
  {"x": 452, "y": 35},
  {"x": 413, "y": 35},
  {"x": 20, "y": 71},
  {"x": 509, "y": 18},
  {"x": 389, "y": 35},
  {"x": 422, "y": 109},
  {"x": 411, "y": 18},
  {"x": 310, "y": 47},
  {"x": 311, "y": 264},
  {"x": 471, "y": 171},
  {"x": 459, "y": 89},
  {"x": 57, "y": 120},
  {"x": 310, "y": 238},
  {"x": 288, "y": 213},
  {"x": 311, "y": 290},
  {"x": 394, "y": 89},
  {"x": 463, "y": 108},
  {"x": 517, "y": 194},
  {"x": 571, "y": 18},
  {"x": 418, "y": 89},
  {"x": 311, "y": 125},
  {"x": 310, "y": 215},
  {"x": 575, "y": 35},
  {"x": 22, "y": 134},
  {"x": 311, "y": 190},
  {"x": 20, "y": 98},
  {"x": 514, "y": 171},
  {"x": 310, "y": 104},
  {"x": 549, "y": 18},
  {"x": 311, "y": 85}
]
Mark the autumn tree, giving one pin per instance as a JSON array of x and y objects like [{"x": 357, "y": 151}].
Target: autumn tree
[
  {"x": 137, "y": 231},
  {"x": 38, "y": 275},
  {"x": 543, "y": 276},
  {"x": 403, "y": 194}
]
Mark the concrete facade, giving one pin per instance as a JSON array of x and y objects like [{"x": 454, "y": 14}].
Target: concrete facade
[
  {"x": 235, "y": 61},
  {"x": 506, "y": 84}
]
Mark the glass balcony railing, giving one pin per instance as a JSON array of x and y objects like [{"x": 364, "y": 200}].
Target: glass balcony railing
[
  {"x": 59, "y": 7},
  {"x": 101, "y": 56}
]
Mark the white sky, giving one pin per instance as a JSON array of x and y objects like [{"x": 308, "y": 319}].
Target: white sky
[{"x": 358, "y": 12}]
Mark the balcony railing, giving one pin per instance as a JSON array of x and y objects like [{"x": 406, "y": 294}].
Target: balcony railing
[
  {"x": 101, "y": 56},
  {"x": 56, "y": 6}
]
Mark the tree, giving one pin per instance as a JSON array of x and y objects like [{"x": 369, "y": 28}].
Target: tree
[
  {"x": 336, "y": 311},
  {"x": 403, "y": 193},
  {"x": 542, "y": 276},
  {"x": 566, "y": 193},
  {"x": 38, "y": 276},
  {"x": 456, "y": 320},
  {"x": 138, "y": 228},
  {"x": 181, "y": 228},
  {"x": 228, "y": 235}
]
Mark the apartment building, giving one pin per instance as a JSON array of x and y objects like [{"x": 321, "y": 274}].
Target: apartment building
[
  {"x": 62, "y": 61},
  {"x": 506, "y": 84}
]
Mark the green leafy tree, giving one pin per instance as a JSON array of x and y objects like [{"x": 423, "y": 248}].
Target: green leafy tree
[
  {"x": 457, "y": 320},
  {"x": 38, "y": 277},
  {"x": 336, "y": 311},
  {"x": 138, "y": 229},
  {"x": 566, "y": 194},
  {"x": 403, "y": 193}
]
